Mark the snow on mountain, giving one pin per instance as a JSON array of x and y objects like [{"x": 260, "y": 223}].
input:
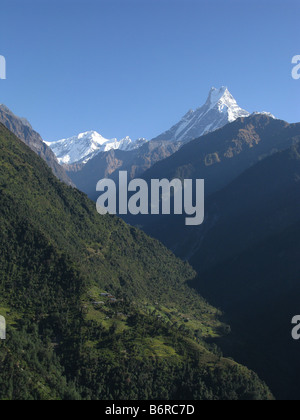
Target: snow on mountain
[
  {"x": 85, "y": 146},
  {"x": 220, "y": 109},
  {"x": 268, "y": 114}
]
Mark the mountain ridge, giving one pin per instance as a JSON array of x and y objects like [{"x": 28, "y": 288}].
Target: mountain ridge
[
  {"x": 24, "y": 131},
  {"x": 108, "y": 164},
  {"x": 241, "y": 140},
  {"x": 218, "y": 158},
  {"x": 219, "y": 109},
  {"x": 84, "y": 147},
  {"x": 248, "y": 257}
]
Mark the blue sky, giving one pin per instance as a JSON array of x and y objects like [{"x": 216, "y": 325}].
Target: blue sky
[{"x": 134, "y": 67}]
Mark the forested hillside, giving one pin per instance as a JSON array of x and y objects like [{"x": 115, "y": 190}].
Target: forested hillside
[
  {"x": 253, "y": 271},
  {"x": 23, "y": 130},
  {"x": 96, "y": 309}
]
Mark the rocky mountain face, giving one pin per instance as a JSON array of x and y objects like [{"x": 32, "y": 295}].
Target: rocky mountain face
[
  {"x": 23, "y": 130},
  {"x": 220, "y": 109},
  {"x": 84, "y": 147},
  {"x": 218, "y": 158},
  {"x": 97, "y": 153},
  {"x": 221, "y": 156},
  {"x": 109, "y": 164}
]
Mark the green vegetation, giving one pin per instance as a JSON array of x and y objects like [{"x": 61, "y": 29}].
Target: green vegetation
[{"x": 147, "y": 339}]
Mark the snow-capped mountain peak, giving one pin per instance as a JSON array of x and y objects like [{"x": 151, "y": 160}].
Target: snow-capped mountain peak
[
  {"x": 225, "y": 102},
  {"x": 216, "y": 95},
  {"x": 85, "y": 146},
  {"x": 219, "y": 109}
]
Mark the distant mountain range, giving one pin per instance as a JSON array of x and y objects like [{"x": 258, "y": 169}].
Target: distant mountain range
[
  {"x": 89, "y": 157},
  {"x": 108, "y": 165},
  {"x": 219, "y": 109},
  {"x": 222, "y": 155},
  {"x": 84, "y": 159},
  {"x": 85, "y": 146},
  {"x": 68, "y": 157}
]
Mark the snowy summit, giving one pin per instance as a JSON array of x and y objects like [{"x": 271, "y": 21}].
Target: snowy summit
[
  {"x": 85, "y": 146},
  {"x": 220, "y": 109}
]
